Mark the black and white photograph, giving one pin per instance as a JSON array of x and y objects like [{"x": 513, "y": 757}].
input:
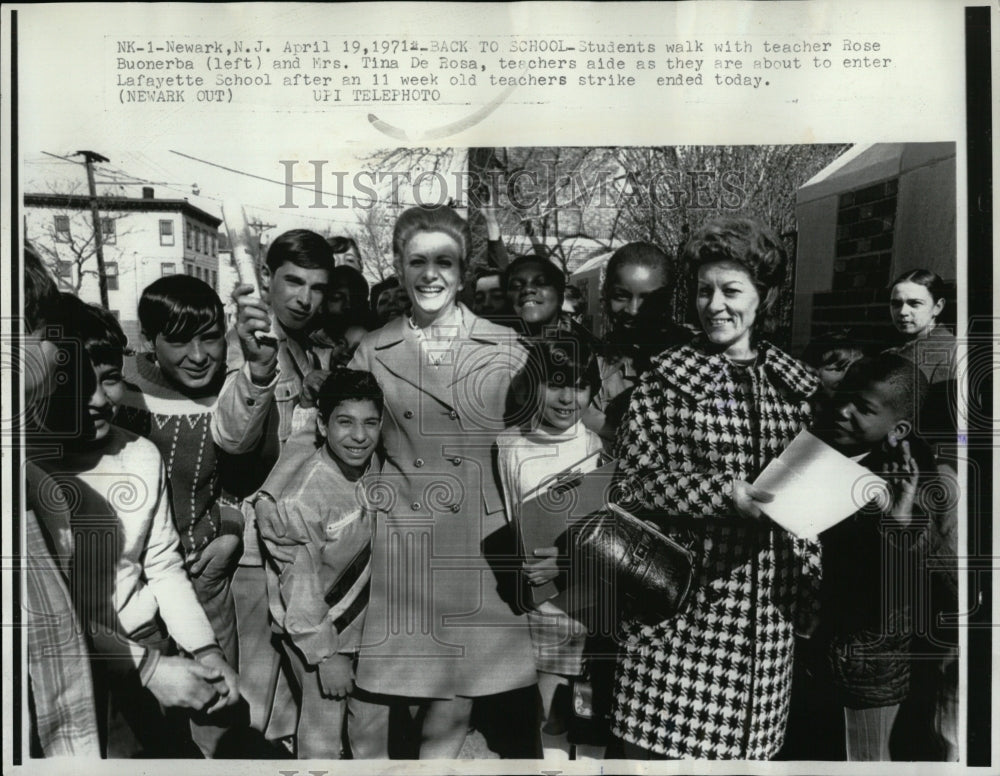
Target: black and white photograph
[{"x": 443, "y": 442}]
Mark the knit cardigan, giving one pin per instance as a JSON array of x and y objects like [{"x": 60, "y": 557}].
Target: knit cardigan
[{"x": 715, "y": 680}]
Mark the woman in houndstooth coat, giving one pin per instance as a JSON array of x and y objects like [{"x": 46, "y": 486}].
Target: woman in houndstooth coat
[{"x": 714, "y": 681}]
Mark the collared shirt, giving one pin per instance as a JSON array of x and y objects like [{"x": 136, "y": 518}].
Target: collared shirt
[{"x": 437, "y": 338}]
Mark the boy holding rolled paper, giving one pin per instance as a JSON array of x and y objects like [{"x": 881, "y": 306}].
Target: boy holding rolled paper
[
  {"x": 270, "y": 354},
  {"x": 872, "y": 561}
]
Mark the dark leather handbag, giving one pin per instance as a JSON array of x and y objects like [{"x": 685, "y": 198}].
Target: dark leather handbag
[{"x": 627, "y": 562}]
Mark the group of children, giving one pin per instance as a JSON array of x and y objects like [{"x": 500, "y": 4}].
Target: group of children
[{"x": 155, "y": 513}]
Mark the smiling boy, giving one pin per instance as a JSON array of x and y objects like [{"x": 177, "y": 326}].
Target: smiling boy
[
  {"x": 254, "y": 415},
  {"x": 872, "y": 560},
  {"x": 324, "y": 587},
  {"x": 137, "y": 599}
]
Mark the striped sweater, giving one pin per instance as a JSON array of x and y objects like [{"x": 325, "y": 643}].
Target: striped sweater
[{"x": 180, "y": 427}]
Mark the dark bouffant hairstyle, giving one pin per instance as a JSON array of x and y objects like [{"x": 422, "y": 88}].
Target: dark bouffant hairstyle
[
  {"x": 179, "y": 307},
  {"x": 41, "y": 296},
  {"x": 908, "y": 385},
  {"x": 747, "y": 243},
  {"x": 924, "y": 277},
  {"x": 347, "y": 385},
  {"x": 432, "y": 218},
  {"x": 302, "y": 248},
  {"x": 97, "y": 330}
]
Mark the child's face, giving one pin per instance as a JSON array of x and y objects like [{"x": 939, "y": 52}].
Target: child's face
[
  {"x": 192, "y": 364},
  {"x": 563, "y": 404},
  {"x": 105, "y": 400},
  {"x": 352, "y": 431},
  {"x": 531, "y": 294},
  {"x": 626, "y": 292},
  {"x": 861, "y": 420},
  {"x": 348, "y": 343}
]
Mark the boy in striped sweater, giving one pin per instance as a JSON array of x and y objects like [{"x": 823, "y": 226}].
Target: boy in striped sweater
[{"x": 170, "y": 395}]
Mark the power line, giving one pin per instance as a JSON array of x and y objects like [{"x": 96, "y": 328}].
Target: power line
[{"x": 283, "y": 184}]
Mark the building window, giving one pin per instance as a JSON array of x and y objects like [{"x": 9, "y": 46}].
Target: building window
[
  {"x": 215, "y": 243},
  {"x": 108, "y": 234},
  {"x": 61, "y": 225},
  {"x": 64, "y": 269},
  {"x": 188, "y": 269},
  {"x": 167, "y": 268},
  {"x": 111, "y": 273},
  {"x": 190, "y": 236},
  {"x": 215, "y": 279},
  {"x": 166, "y": 232}
]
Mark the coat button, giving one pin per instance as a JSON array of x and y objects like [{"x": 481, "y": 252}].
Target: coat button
[
  {"x": 456, "y": 461},
  {"x": 419, "y": 462},
  {"x": 453, "y": 415},
  {"x": 408, "y": 414},
  {"x": 415, "y": 506},
  {"x": 455, "y": 507}
]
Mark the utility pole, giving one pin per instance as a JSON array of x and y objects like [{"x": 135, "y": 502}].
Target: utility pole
[{"x": 89, "y": 158}]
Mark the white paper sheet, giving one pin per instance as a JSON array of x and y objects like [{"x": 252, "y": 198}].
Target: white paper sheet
[{"x": 815, "y": 487}]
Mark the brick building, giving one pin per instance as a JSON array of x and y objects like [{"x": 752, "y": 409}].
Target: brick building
[
  {"x": 144, "y": 238},
  {"x": 875, "y": 212}
]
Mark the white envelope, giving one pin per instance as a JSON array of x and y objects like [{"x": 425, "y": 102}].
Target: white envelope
[{"x": 815, "y": 487}]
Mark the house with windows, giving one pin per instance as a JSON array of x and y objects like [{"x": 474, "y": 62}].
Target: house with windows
[{"x": 144, "y": 238}]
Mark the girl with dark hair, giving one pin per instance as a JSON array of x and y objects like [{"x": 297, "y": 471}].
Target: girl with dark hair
[
  {"x": 636, "y": 296},
  {"x": 714, "y": 681},
  {"x": 563, "y": 375},
  {"x": 915, "y": 302}
]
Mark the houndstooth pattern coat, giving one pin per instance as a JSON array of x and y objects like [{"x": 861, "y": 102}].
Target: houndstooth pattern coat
[{"x": 714, "y": 681}]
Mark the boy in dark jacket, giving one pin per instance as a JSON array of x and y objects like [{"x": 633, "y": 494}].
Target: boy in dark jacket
[{"x": 872, "y": 561}]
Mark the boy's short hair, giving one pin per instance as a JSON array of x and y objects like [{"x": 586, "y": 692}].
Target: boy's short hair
[
  {"x": 41, "y": 295},
  {"x": 179, "y": 307},
  {"x": 567, "y": 359},
  {"x": 345, "y": 384},
  {"x": 553, "y": 274},
  {"x": 908, "y": 386},
  {"x": 835, "y": 350},
  {"x": 302, "y": 248},
  {"x": 342, "y": 244},
  {"x": 97, "y": 330}
]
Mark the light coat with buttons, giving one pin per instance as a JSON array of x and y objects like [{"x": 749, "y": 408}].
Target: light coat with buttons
[{"x": 440, "y": 620}]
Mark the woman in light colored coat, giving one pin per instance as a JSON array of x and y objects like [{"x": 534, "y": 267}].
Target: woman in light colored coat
[
  {"x": 714, "y": 681},
  {"x": 438, "y": 631}
]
